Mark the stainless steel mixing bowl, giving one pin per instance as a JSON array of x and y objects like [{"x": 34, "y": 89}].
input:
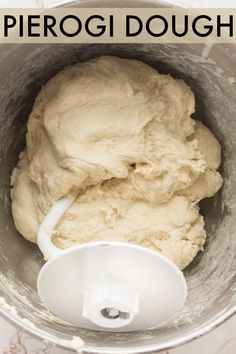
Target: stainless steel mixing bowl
[{"x": 211, "y": 73}]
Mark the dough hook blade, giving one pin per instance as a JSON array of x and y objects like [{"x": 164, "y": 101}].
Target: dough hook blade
[{"x": 108, "y": 286}]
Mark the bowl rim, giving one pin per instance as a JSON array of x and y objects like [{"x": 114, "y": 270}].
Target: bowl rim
[{"x": 149, "y": 348}]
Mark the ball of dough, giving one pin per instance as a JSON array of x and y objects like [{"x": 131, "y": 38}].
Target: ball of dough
[{"x": 121, "y": 133}]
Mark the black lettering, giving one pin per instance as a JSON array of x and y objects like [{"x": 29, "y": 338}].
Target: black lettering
[
  {"x": 229, "y": 24},
  {"x": 111, "y": 26},
  {"x": 209, "y": 28},
  {"x": 49, "y": 23},
  {"x": 9, "y": 22},
  {"x": 149, "y": 22},
  {"x": 62, "y": 23},
  {"x": 174, "y": 26},
  {"x": 102, "y": 28},
  {"x": 31, "y": 24},
  {"x": 128, "y": 23},
  {"x": 21, "y": 25}
]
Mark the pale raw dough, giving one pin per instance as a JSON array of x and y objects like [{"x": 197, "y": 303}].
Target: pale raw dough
[{"x": 123, "y": 133}]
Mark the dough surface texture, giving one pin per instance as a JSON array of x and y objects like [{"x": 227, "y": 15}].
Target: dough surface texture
[{"x": 121, "y": 133}]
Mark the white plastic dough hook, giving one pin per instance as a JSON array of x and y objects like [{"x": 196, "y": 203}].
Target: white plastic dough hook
[{"x": 109, "y": 286}]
